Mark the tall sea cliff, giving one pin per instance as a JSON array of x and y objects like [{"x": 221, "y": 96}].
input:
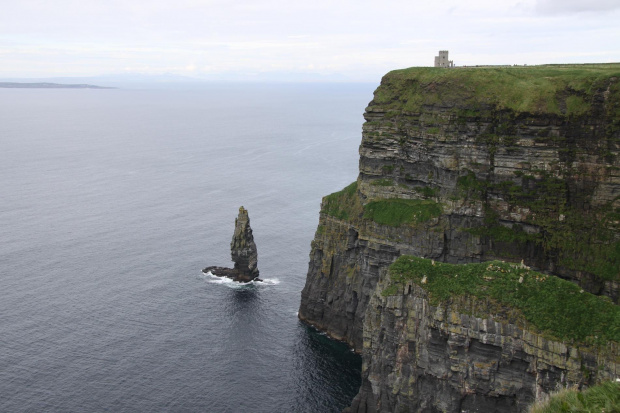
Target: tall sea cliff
[{"x": 514, "y": 167}]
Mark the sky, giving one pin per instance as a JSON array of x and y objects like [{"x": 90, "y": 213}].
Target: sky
[{"x": 312, "y": 40}]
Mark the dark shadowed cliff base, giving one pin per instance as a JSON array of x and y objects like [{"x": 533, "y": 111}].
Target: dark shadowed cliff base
[{"x": 466, "y": 166}]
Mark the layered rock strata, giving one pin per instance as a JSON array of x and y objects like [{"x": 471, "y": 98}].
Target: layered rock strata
[
  {"x": 467, "y": 354},
  {"x": 243, "y": 252},
  {"x": 513, "y": 164}
]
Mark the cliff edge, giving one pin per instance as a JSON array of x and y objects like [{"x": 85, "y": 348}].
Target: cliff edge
[{"x": 466, "y": 166}]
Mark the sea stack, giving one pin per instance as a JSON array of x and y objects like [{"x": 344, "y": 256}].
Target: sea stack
[{"x": 242, "y": 251}]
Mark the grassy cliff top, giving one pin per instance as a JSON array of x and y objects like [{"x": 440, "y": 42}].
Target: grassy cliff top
[
  {"x": 552, "y": 305},
  {"x": 554, "y": 89}
]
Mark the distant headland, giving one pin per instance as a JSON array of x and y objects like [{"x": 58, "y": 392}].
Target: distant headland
[{"x": 19, "y": 85}]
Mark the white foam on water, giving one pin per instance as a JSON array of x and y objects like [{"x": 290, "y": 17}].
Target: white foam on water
[
  {"x": 268, "y": 281},
  {"x": 214, "y": 279},
  {"x": 228, "y": 282}
]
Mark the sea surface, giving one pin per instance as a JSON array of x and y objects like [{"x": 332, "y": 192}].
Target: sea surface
[{"x": 112, "y": 201}]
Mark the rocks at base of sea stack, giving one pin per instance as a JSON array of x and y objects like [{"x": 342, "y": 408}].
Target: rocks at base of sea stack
[{"x": 243, "y": 253}]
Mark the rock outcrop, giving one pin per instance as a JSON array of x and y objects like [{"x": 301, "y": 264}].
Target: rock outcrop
[
  {"x": 471, "y": 354},
  {"x": 243, "y": 252},
  {"x": 464, "y": 166}
]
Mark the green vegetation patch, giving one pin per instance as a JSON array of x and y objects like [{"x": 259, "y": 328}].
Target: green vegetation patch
[
  {"x": 551, "y": 304},
  {"x": 427, "y": 191},
  {"x": 557, "y": 89},
  {"x": 346, "y": 205},
  {"x": 343, "y": 204},
  {"x": 576, "y": 105},
  {"x": 396, "y": 212},
  {"x": 582, "y": 239},
  {"x": 470, "y": 187},
  {"x": 382, "y": 182},
  {"x": 604, "y": 397},
  {"x": 387, "y": 169}
]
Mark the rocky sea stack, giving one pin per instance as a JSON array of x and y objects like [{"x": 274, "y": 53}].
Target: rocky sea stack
[{"x": 243, "y": 252}]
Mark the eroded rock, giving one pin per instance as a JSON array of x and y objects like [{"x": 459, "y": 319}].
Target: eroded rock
[{"x": 242, "y": 251}]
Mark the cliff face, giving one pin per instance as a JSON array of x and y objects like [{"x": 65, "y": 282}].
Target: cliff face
[
  {"x": 345, "y": 261},
  {"x": 425, "y": 351},
  {"x": 464, "y": 166}
]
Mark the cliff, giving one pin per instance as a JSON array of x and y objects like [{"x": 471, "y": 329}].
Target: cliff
[
  {"x": 465, "y": 166},
  {"x": 490, "y": 337}
]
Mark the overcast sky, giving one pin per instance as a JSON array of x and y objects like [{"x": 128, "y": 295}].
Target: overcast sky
[{"x": 350, "y": 40}]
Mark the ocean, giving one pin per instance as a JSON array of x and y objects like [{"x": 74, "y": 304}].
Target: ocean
[{"x": 112, "y": 203}]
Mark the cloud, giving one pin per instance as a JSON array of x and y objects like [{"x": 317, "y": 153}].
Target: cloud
[
  {"x": 576, "y": 6},
  {"x": 357, "y": 39}
]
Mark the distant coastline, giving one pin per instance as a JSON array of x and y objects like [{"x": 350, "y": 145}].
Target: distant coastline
[{"x": 50, "y": 86}]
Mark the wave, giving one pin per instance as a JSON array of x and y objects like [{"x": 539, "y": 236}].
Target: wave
[
  {"x": 214, "y": 279},
  {"x": 268, "y": 281}
]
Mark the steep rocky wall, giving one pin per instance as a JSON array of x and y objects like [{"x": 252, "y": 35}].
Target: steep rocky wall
[
  {"x": 540, "y": 187},
  {"x": 424, "y": 358},
  {"x": 466, "y": 166},
  {"x": 347, "y": 256},
  {"x": 344, "y": 268}
]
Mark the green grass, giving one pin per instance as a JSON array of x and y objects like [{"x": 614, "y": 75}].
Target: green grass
[
  {"x": 552, "y": 305},
  {"x": 396, "y": 212},
  {"x": 427, "y": 191},
  {"x": 346, "y": 205},
  {"x": 343, "y": 204},
  {"x": 603, "y": 398},
  {"x": 471, "y": 91},
  {"x": 576, "y": 105}
]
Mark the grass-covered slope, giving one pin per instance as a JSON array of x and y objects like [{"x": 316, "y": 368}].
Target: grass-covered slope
[
  {"x": 554, "y": 306},
  {"x": 395, "y": 212},
  {"x": 343, "y": 204},
  {"x": 604, "y": 398},
  {"x": 532, "y": 89}
]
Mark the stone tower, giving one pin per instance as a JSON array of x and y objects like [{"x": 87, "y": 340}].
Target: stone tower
[{"x": 442, "y": 59}]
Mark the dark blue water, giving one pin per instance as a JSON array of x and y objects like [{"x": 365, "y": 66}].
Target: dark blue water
[{"x": 113, "y": 200}]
